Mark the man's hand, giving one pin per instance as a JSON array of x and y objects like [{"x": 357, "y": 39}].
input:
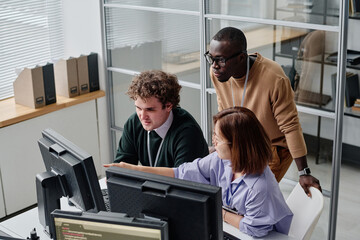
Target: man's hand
[
  {"x": 165, "y": 171},
  {"x": 307, "y": 181},
  {"x": 111, "y": 165}
]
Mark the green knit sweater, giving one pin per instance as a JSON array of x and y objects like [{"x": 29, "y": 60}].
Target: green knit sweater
[{"x": 183, "y": 142}]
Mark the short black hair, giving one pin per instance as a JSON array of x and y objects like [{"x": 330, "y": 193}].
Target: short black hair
[{"x": 233, "y": 35}]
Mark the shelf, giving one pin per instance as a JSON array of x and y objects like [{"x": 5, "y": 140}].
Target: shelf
[
  {"x": 348, "y": 65},
  {"x": 349, "y": 112},
  {"x": 355, "y": 16},
  {"x": 11, "y": 113},
  {"x": 330, "y": 107}
]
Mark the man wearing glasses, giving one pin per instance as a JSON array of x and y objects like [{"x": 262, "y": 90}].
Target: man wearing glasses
[{"x": 260, "y": 84}]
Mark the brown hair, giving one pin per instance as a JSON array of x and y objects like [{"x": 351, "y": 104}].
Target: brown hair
[
  {"x": 249, "y": 144},
  {"x": 156, "y": 83}
]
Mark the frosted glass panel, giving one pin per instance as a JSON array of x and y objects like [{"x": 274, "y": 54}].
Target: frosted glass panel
[
  {"x": 189, "y": 5},
  {"x": 318, "y": 12},
  {"x": 123, "y": 104},
  {"x": 190, "y": 101},
  {"x": 141, "y": 40}
]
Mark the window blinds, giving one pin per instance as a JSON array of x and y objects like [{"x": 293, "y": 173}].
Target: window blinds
[{"x": 31, "y": 33}]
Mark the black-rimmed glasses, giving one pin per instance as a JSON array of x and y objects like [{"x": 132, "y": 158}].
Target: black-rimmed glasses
[{"x": 220, "y": 60}]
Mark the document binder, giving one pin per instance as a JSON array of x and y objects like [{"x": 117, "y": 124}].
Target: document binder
[
  {"x": 351, "y": 89},
  {"x": 49, "y": 83},
  {"x": 83, "y": 74},
  {"x": 93, "y": 72},
  {"x": 35, "y": 87},
  {"x": 66, "y": 78},
  {"x": 88, "y": 73}
]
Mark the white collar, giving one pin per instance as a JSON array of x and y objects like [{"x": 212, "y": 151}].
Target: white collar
[{"x": 164, "y": 128}]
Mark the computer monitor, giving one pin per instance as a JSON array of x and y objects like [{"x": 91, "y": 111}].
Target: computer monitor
[
  {"x": 106, "y": 225},
  {"x": 192, "y": 210},
  {"x": 70, "y": 172}
]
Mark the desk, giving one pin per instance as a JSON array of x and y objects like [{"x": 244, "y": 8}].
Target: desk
[
  {"x": 21, "y": 225},
  {"x": 271, "y": 236}
]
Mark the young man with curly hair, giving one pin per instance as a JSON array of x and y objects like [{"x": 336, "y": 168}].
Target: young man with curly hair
[{"x": 160, "y": 133}]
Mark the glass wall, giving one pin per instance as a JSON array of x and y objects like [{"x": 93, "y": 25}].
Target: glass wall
[
  {"x": 302, "y": 36},
  {"x": 306, "y": 11}
]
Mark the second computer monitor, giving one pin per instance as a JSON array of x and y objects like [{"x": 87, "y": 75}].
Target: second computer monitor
[
  {"x": 192, "y": 210},
  {"x": 106, "y": 225}
]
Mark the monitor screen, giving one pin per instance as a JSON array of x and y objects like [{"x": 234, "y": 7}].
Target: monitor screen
[
  {"x": 70, "y": 172},
  {"x": 106, "y": 225},
  {"x": 192, "y": 210}
]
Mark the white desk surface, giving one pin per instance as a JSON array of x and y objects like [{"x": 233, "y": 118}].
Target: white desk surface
[{"x": 21, "y": 225}]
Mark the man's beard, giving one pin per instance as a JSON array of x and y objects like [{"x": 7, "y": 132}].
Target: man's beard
[{"x": 223, "y": 80}]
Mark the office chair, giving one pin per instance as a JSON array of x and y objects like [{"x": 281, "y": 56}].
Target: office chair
[{"x": 306, "y": 211}]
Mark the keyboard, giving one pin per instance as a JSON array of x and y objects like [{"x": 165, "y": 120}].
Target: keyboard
[
  {"x": 106, "y": 199},
  {"x": 228, "y": 236}
]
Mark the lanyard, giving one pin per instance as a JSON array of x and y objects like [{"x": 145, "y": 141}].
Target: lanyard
[
  {"x": 229, "y": 199},
  {"x": 246, "y": 80},
  {"x": 158, "y": 152}
]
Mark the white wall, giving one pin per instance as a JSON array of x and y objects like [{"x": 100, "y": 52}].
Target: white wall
[{"x": 83, "y": 34}]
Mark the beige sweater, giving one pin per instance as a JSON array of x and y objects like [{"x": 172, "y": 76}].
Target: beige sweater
[{"x": 270, "y": 96}]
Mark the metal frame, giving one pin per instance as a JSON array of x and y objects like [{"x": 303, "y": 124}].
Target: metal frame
[{"x": 339, "y": 111}]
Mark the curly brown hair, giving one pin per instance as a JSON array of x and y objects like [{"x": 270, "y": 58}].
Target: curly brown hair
[{"x": 156, "y": 83}]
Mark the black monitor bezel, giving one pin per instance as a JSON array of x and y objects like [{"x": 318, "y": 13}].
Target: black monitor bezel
[
  {"x": 112, "y": 218},
  {"x": 90, "y": 192},
  {"x": 213, "y": 192}
]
